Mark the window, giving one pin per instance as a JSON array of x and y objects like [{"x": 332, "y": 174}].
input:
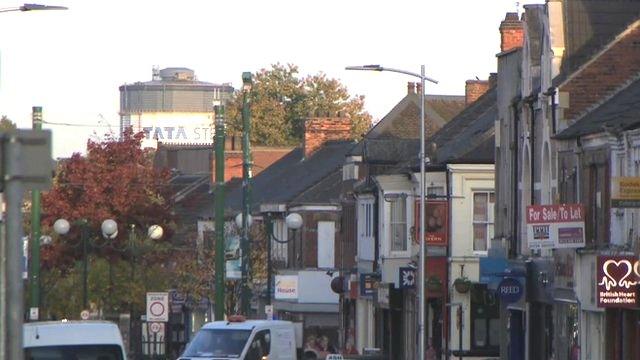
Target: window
[
  {"x": 398, "y": 224},
  {"x": 483, "y": 204},
  {"x": 280, "y": 250},
  {"x": 366, "y": 222},
  {"x": 485, "y": 319},
  {"x": 260, "y": 346}
]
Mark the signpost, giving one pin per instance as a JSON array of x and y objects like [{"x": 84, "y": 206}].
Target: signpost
[
  {"x": 157, "y": 306},
  {"x": 555, "y": 226}
]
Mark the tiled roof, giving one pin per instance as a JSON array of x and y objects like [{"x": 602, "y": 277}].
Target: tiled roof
[
  {"x": 620, "y": 112},
  {"x": 403, "y": 121}
]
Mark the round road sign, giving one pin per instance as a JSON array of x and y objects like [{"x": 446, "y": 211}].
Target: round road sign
[
  {"x": 156, "y": 308},
  {"x": 155, "y": 327},
  {"x": 84, "y": 315}
]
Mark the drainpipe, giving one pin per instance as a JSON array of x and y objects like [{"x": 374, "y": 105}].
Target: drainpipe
[
  {"x": 552, "y": 93},
  {"x": 532, "y": 136},
  {"x": 515, "y": 236}
]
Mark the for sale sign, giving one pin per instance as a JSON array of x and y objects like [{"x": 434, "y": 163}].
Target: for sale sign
[
  {"x": 555, "y": 226},
  {"x": 157, "y": 306}
]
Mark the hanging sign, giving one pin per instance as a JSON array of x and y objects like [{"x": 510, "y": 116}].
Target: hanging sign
[
  {"x": 436, "y": 217},
  {"x": 617, "y": 281},
  {"x": 625, "y": 192},
  {"x": 555, "y": 226}
]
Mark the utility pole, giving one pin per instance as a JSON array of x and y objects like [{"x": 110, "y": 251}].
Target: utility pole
[
  {"x": 246, "y": 192},
  {"x": 219, "y": 208},
  {"x": 34, "y": 273}
]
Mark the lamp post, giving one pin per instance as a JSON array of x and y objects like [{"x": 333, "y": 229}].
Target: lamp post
[
  {"x": 294, "y": 222},
  {"x": 245, "y": 305},
  {"x": 32, "y": 7},
  {"x": 219, "y": 215},
  {"x": 421, "y": 158},
  {"x": 109, "y": 231}
]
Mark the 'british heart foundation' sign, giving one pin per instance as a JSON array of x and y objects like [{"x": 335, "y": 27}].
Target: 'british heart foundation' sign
[{"x": 617, "y": 281}]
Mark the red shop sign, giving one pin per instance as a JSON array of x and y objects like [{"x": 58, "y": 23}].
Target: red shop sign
[
  {"x": 437, "y": 220},
  {"x": 617, "y": 281}
]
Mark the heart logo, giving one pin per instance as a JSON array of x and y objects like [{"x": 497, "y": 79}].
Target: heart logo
[{"x": 616, "y": 274}]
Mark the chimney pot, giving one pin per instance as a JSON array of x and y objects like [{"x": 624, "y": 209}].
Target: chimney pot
[
  {"x": 418, "y": 88},
  {"x": 411, "y": 88}
]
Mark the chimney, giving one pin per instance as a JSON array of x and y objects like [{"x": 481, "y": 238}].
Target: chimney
[
  {"x": 411, "y": 88},
  {"x": 418, "y": 88},
  {"x": 511, "y": 32},
  {"x": 320, "y": 129},
  {"x": 493, "y": 79},
  {"x": 473, "y": 89}
]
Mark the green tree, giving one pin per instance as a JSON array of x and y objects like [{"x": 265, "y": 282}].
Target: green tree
[
  {"x": 281, "y": 101},
  {"x": 6, "y": 124}
]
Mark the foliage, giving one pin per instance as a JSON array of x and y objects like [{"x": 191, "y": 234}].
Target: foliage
[
  {"x": 281, "y": 101},
  {"x": 6, "y": 124},
  {"x": 115, "y": 180}
]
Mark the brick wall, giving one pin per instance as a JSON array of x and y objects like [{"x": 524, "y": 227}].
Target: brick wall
[
  {"x": 318, "y": 130},
  {"x": 511, "y": 32},
  {"x": 473, "y": 89},
  {"x": 609, "y": 70}
]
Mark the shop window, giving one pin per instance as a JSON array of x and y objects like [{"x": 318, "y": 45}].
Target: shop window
[
  {"x": 483, "y": 207},
  {"x": 398, "y": 224},
  {"x": 485, "y": 319}
]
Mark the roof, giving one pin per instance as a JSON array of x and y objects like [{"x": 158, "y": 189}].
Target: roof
[
  {"x": 620, "y": 112},
  {"x": 589, "y": 25},
  {"x": 328, "y": 190},
  {"x": 245, "y": 325},
  {"x": 466, "y": 137},
  {"x": 287, "y": 178},
  {"x": 403, "y": 121}
]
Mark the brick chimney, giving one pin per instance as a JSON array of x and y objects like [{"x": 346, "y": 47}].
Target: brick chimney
[
  {"x": 411, "y": 88},
  {"x": 418, "y": 88},
  {"x": 473, "y": 89},
  {"x": 511, "y": 32},
  {"x": 320, "y": 129}
]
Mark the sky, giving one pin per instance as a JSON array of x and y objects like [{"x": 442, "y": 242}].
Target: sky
[{"x": 72, "y": 62}]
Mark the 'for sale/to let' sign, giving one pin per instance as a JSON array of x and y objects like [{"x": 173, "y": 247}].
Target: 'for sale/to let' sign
[{"x": 555, "y": 226}]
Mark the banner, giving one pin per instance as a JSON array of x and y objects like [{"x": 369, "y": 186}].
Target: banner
[
  {"x": 555, "y": 226},
  {"x": 625, "y": 192},
  {"x": 437, "y": 220}
]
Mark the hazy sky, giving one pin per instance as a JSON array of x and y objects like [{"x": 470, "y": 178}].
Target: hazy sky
[{"x": 72, "y": 62}]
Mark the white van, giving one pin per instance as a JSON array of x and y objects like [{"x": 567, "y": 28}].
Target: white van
[
  {"x": 91, "y": 340},
  {"x": 243, "y": 339}
]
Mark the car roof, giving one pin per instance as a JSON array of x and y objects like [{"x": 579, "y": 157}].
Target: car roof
[
  {"x": 50, "y": 333},
  {"x": 247, "y": 324}
]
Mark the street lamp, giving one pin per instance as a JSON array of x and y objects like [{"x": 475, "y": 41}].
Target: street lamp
[
  {"x": 245, "y": 303},
  {"x": 32, "y": 7},
  {"x": 109, "y": 231},
  {"x": 421, "y": 158},
  {"x": 294, "y": 222}
]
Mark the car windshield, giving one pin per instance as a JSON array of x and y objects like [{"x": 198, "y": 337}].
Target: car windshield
[
  {"x": 218, "y": 343},
  {"x": 74, "y": 352}
]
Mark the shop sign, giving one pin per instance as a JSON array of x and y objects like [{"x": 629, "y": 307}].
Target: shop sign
[
  {"x": 368, "y": 284},
  {"x": 510, "y": 290},
  {"x": 407, "y": 278},
  {"x": 383, "y": 296},
  {"x": 555, "y": 226},
  {"x": 617, "y": 280},
  {"x": 625, "y": 192},
  {"x": 286, "y": 287},
  {"x": 436, "y": 218}
]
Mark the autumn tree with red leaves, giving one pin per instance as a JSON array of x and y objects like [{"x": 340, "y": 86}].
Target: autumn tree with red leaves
[{"x": 115, "y": 180}]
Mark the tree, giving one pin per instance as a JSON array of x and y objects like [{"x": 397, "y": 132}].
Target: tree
[
  {"x": 6, "y": 124},
  {"x": 281, "y": 101},
  {"x": 115, "y": 180}
]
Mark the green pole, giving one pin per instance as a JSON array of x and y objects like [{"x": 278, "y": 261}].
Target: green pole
[
  {"x": 219, "y": 216},
  {"x": 246, "y": 192},
  {"x": 34, "y": 273}
]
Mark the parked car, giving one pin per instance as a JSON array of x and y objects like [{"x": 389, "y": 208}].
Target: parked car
[
  {"x": 238, "y": 338},
  {"x": 64, "y": 340}
]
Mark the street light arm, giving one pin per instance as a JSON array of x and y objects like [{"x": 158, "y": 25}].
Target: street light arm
[
  {"x": 31, "y": 7},
  {"x": 382, "y": 68}
]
